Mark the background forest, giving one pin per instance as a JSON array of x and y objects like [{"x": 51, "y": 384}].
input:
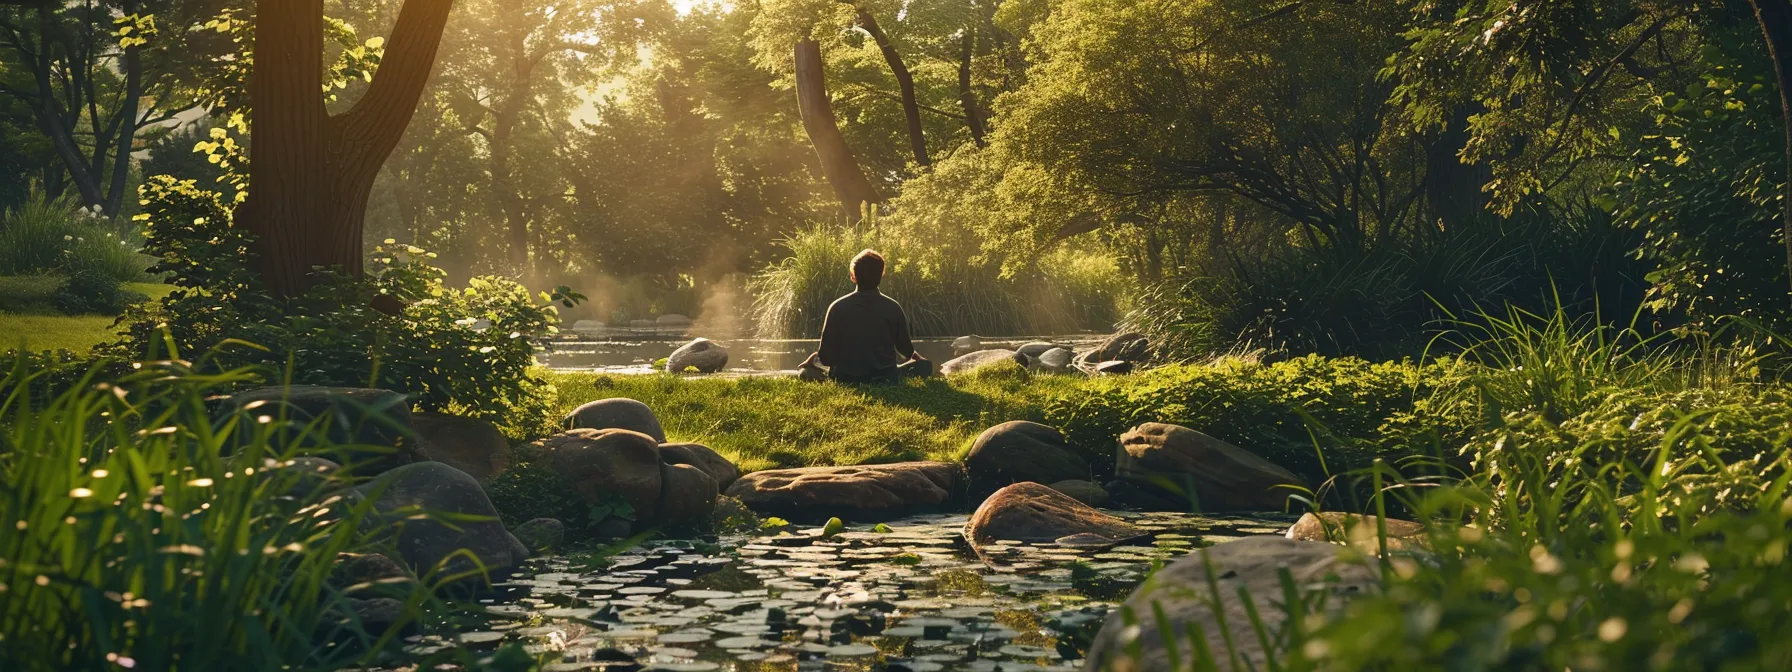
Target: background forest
[{"x": 1214, "y": 173}]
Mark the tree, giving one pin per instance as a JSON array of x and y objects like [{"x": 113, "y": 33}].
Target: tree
[
  {"x": 1147, "y": 101},
  {"x": 85, "y": 80},
  {"x": 905, "y": 80},
  {"x": 837, "y": 163},
  {"x": 1556, "y": 78},
  {"x": 311, "y": 172}
]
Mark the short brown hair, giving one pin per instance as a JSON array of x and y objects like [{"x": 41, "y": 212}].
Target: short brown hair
[{"x": 868, "y": 269}]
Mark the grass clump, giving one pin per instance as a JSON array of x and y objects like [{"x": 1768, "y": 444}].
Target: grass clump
[
  {"x": 143, "y": 532},
  {"x": 943, "y": 293},
  {"x": 50, "y": 236}
]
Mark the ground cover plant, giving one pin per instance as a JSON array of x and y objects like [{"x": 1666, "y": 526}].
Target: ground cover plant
[{"x": 144, "y": 532}]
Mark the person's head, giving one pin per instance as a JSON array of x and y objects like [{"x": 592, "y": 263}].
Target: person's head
[{"x": 868, "y": 269}]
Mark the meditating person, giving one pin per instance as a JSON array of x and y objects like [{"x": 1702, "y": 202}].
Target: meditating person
[{"x": 864, "y": 338}]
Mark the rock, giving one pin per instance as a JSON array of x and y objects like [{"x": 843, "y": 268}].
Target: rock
[
  {"x": 700, "y": 456},
  {"x": 980, "y": 359},
  {"x": 701, "y": 354},
  {"x": 587, "y": 327},
  {"x": 426, "y": 543},
  {"x": 470, "y": 445},
  {"x": 1055, "y": 359},
  {"x": 1013, "y": 452},
  {"x": 1356, "y": 530},
  {"x": 966, "y": 344},
  {"x": 481, "y": 324},
  {"x": 359, "y": 573},
  {"x": 672, "y": 320},
  {"x": 1198, "y": 469},
  {"x": 609, "y": 463},
  {"x": 1086, "y": 492},
  {"x": 541, "y": 534},
  {"x": 617, "y": 414},
  {"x": 1182, "y": 592},
  {"x": 1126, "y": 347},
  {"x": 1114, "y": 367},
  {"x": 370, "y": 430},
  {"x": 377, "y": 615},
  {"x": 687, "y": 495},
  {"x": 863, "y": 493},
  {"x": 612, "y": 528},
  {"x": 1035, "y": 513},
  {"x": 311, "y": 477},
  {"x": 1035, "y": 349}
]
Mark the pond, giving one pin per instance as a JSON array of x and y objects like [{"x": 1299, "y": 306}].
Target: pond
[
  {"x": 912, "y": 597},
  {"x": 625, "y": 351}
]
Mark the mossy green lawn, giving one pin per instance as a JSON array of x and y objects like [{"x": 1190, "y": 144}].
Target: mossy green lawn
[
  {"x": 783, "y": 422},
  {"x": 1290, "y": 412},
  {"x": 28, "y": 315}
]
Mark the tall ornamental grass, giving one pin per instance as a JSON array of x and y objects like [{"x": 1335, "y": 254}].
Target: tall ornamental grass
[
  {"x": 144, "y": 531},
  {"x": 44, "y": 236},
  {"x": 945, "y": 292}
]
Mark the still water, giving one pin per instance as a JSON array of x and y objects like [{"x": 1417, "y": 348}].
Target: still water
[{"x": 621, "y": 351}]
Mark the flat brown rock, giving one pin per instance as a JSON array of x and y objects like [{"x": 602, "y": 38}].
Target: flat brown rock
[
  {"x": 1035, "y": 513},
  {"x": 1356, "y": 530},
  {"x": 860, "y": 493},
  {"x": 703, "y": 458},
  {"x": 1192, "y": 468}
]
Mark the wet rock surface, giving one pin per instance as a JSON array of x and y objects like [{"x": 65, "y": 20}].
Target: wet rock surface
[
  {"x": 702, "y": 354},
  {"x": 979, "y": 359},
  {"x": 911, "y": 598},
  {"x": 858, "y": 493},
  {"x": 1036, "y": 513}
]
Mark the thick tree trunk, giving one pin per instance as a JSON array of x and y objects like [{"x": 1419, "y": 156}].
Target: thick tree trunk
[
  {"x": 310, "y": 173},
  {"x": 1776, "y": 25},
  {"x": 837, "y": 163},
  {"x": 1453, "y": 189},
  {"x": 967, "y": 95},
  {"x": 905, "y": 81},
  {"x": 50, "y": 120}
]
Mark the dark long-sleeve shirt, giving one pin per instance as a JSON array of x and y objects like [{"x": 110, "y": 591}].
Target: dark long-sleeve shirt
[{"x": 864, "y": 337}]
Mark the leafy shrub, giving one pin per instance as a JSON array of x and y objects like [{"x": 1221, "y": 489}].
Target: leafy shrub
[
  {"x": 1705, "y": 186},
  {"x": 93, "y": 292},
  {"x": 1312, "y": 415},
  {"x": 143, "y": 532},
  {"x": 462, "y": 350},
  {"x": 529, "y": 489}
]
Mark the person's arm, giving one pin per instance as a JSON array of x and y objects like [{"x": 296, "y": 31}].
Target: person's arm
[
  {"x": 903, "y": 346},
  {"x": 829, "y": 350}
]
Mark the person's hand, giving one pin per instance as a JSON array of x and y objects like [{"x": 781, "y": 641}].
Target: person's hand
[
  {"x": 813, "y": 360},
  {"x": 917, "y": 357}
]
